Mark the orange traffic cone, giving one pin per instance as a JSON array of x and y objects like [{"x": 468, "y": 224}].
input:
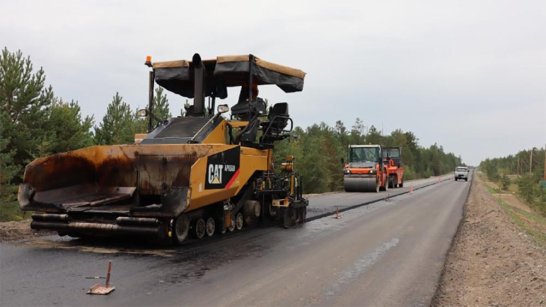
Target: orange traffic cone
[{"x": 337, "y": 214}]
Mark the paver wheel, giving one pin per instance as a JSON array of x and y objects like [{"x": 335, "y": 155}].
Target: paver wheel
[
  {"x": 200, "y": 228},
  {"x": 210, "y": 226},
  {"x": 239, "y": 221},
  {"x": 289, "y": 217},
  {"x": 181, "y": 228}
]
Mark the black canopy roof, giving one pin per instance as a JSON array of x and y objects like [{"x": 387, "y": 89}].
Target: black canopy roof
[{"x": 227, "y": 71}]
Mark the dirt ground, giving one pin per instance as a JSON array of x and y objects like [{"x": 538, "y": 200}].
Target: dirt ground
[
  {"x": 11, "y": 231},
  {"x": 492, "y": 261}
]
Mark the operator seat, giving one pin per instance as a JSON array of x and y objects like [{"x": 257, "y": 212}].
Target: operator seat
[
  {"x": 277, "y": 120},
  {"x": 278, "y": 117},
  {"x": 248, "y": 111}
]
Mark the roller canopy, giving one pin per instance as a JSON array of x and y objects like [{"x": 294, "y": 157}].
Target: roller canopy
[{"x": 227, "y": 71}]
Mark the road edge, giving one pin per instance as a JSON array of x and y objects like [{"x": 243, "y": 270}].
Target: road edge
[{"x": 435, "y": 297}]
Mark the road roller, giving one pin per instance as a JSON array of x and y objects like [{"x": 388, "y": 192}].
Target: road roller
[
  {"x": 392, "y": 158},
  {"x": 206, "y": 172},
  {"x": 365, "y": 170}
]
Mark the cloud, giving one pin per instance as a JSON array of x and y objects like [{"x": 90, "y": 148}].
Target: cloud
[{"x": 415, "y": 65}]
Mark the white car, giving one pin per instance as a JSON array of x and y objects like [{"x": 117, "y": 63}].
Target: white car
[{"x": 461, "y": 172}]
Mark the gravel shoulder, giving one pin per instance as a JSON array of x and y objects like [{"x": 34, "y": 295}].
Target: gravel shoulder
[
  {"x": 10, "y": 231},
  {"x": 493, "y": 260},
  {"x": 20, "y": 230}
]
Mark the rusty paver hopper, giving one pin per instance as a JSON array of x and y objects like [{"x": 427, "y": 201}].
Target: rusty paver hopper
[{"x": 104, "y": 179}]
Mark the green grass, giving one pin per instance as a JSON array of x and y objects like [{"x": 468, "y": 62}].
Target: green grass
[
  {"x": 10, "y": 211},
  {"x": 491, "y": 190},
  {"x": 532, "y": 223}
]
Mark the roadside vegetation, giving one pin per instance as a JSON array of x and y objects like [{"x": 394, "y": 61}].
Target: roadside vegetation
[
  {"x": 34, "y": 122},
  {"x": 522, "y": 174},
  {"x": 526, "y": 217}
]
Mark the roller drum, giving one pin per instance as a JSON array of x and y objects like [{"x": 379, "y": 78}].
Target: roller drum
[{"x": 359, "y": 184}]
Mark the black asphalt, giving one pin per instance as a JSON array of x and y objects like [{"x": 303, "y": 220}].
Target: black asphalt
[{"x": 252, "y": 267}]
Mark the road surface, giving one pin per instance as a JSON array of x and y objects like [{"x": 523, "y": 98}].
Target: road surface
[{"x": 389, "y": 252}]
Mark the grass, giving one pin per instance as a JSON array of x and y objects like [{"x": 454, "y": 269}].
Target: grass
[
  {"x": 533, "y": 223},
  {"x": 491, "y": 189},
  {"x": 513, "y": 188},
  {"x": 10, "y": 211}
]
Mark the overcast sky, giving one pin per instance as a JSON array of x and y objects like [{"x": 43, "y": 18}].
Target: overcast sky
[{"x": 468, "y": 75}]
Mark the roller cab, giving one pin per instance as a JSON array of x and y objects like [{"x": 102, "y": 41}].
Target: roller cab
[
  {"x": 372, "y": 168},
  {"x": 365, "y": 170},
  {"x": 392, "y": 158}
]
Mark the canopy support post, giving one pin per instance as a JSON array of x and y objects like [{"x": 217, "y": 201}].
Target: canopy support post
[
  {"x": 250, "y": 79},
  {"x": 150, "y": 100}
]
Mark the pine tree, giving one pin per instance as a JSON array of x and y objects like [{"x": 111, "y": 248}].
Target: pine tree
[
  {"x": 161, "y": 111},
  {"x": 118, "y": 124},
  {"x": 357, "y": 135},
  {"x": 161, "y": 105},
  {"x": 66, "y": 128},
  {"x": 374, "y": 136},
  {"x": 8, "y": 171},
  {"x": 25, "y": 102}
]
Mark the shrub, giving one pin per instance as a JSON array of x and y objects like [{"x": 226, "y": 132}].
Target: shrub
[{"x": 505, "y": 182}]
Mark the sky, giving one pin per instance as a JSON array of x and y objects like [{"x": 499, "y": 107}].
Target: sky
[{"x": 467, "y": 75}]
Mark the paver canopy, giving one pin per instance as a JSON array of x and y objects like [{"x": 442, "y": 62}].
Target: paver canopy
[{"x": 227, "y": 71}]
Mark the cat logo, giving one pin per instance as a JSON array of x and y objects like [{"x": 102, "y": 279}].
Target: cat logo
[
  {"x": 222, "y": 169},
  {"x": 215, "y": 173}
]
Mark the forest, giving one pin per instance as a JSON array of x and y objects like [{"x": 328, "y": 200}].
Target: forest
[{"x": 34, "y": 122}]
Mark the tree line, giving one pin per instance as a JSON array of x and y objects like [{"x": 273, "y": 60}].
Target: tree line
[
  {"x": 319, "y": 150},
  {"x": 34, "y": 122},
  {"x": 526, "y": 170}
]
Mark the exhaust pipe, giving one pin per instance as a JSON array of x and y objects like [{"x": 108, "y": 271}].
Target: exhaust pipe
[{"x": 198, "y": 86}]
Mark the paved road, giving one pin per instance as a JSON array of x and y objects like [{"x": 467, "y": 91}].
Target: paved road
[{"x": 385, "y": 253}]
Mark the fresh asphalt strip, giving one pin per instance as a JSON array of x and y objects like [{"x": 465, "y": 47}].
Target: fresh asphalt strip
[{"x": 319, "y": 216}]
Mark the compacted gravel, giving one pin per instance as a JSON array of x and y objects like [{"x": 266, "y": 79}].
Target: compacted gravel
[{"x": 492, "y": 261}]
